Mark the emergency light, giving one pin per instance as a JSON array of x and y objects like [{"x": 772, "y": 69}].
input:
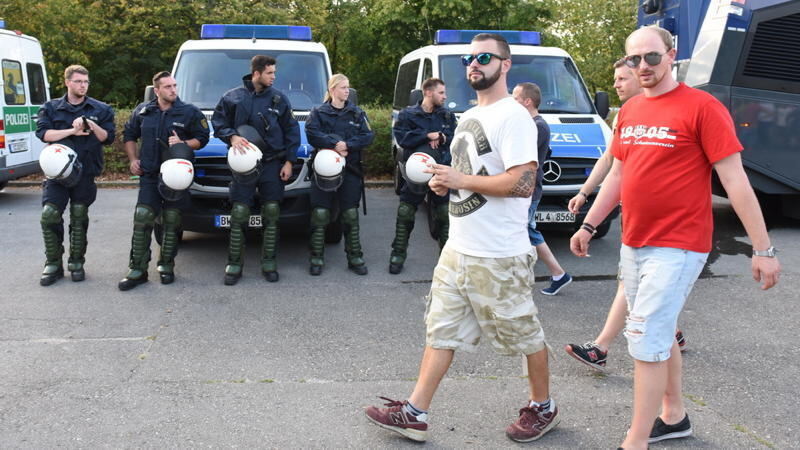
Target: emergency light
[
  {"x": 2, "y": 24},
  {"x": 236, "y": 31},
  {"x": 465, "y": 36}
]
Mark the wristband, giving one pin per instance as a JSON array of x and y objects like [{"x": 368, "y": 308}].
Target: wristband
[
  {"x": 589, "y": 227},
  {"x": 584, "y": 195}
]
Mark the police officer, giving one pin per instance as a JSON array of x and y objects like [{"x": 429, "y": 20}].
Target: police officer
[
  {"x": 428, "y": 127},
  {"x": 268, "y": 110},
  {"x": 163, "y": 126},
  {"x": 339, "y": 125},
  {"x": 88, "y": 124}
]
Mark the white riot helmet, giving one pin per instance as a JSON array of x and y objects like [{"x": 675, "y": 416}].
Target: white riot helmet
[
  {"x": 60, "y": 163},
  {"x": 175, "y": 178},
  {"x": 328, "y": 168},
  {"x": 245, "y": 167},
  {"x": 413, "y": 171}
]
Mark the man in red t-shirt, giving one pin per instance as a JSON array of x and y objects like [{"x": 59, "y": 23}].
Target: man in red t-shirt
[{"x": 665, "y": 145}]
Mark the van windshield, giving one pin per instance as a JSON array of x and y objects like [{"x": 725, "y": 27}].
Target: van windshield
[
  {"x": 204, "y": 75},
  {"x": 562, "y": 88}
]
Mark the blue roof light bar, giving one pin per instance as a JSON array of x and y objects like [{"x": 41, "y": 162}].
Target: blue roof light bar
[
  {"x": 235, "y": 31},
  {"x": 465, "y": 36}
]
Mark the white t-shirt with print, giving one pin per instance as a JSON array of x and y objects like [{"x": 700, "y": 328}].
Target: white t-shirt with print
[{"x": 488, "y": 141}]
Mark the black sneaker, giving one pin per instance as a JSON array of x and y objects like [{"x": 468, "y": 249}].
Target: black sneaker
[
  {"x": 662, "y": 431},
  {"x": 589, "y": 354},
  {"x": 681, "y": 340}
]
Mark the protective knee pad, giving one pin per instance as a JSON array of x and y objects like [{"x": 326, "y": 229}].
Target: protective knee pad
[
  {"x": 240, "y": 214},
  {"x": 51, "y": 215},
  {"x": 143, "y": 216},
  {"x": 406, "y": 212},
  {"x": 320, "y": 217},
  {"x": 171, "y": 218},
  {"x": 271, "y": 211}
]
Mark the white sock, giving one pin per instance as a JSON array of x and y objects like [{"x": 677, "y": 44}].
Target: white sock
[{"x": 556, "y": 278}]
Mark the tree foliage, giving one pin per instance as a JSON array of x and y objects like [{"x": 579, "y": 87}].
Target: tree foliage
[{"x": 124, "y": 42}]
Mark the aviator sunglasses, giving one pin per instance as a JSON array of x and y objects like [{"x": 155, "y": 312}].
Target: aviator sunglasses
[
  {"x": 652, "y": 59},
  {"x": 483, "y": 58}
]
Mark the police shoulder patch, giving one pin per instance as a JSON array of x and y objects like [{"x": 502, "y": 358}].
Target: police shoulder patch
[{"x": 204, "y": 123}]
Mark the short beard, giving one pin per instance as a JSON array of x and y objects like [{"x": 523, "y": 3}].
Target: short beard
[{"x": 485, "y": 82}]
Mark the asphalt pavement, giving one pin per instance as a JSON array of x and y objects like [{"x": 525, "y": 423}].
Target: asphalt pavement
[{"x": 293, "y": 364}]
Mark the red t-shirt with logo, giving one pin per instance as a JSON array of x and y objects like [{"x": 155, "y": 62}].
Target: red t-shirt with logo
[{"x": 668, "y": 145}]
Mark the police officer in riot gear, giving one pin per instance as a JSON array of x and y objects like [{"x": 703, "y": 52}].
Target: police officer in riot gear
[
  {"x": 428, "y": 127},
  {"x": 167, "y": 128},
  {"x": 339, "y": 125},
  {"x": 260, "y": 107},
  {"x": 88, "y": 124}
]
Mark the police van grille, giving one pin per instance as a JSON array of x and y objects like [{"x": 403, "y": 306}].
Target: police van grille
[
  {"x": 576, "y": 119},
  {"x": 775, "y": 50},
  {"x": 573, "y": 171},
  {"x": 300, "y": 117},
  {"x": 213, "y": 171}
]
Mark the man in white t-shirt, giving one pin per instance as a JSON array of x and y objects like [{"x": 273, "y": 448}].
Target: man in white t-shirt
[{"x": 483, "y": 283}]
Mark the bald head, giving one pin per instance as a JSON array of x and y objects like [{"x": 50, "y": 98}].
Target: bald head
[{"x": 647, "y": 33}]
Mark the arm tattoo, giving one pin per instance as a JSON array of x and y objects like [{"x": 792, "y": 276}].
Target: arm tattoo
[{"x": 525, "y": 185}]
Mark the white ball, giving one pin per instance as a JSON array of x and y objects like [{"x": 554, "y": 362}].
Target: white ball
[
  {"x": 328, "y": 163},
  {"x": 243, "y": 163},
  {"x": 416, "y": 164},
  {"x": 177, "y": 173}
]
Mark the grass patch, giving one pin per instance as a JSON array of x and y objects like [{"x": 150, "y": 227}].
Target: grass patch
[
  {"x": 695, "y": 399},
  {"x": 760, "y": 440}
]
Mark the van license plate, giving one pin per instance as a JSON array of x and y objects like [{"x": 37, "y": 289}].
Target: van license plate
[
  {"x": 555, "y": 217},
  {"x": 18, "y": 147},
  {"x": 224, "y": 221}
]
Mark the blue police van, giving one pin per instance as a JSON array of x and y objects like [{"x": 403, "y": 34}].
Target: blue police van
[
  {"x": 579, "y": 133},
  {"x": 207, "y": 68}
]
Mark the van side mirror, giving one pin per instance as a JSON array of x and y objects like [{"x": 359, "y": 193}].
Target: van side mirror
[
  {"x": 149, "y": 94},
  {"x": 601, "y": 103},
  {"x": 414, "y": 97},
  {"x": 353, "y": 97}
]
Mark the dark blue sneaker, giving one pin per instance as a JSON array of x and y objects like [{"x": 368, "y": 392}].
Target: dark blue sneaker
[{"x": 556, "y": 286}]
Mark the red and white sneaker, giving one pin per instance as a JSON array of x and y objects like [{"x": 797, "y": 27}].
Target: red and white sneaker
[
  {"x": 393, "y": 418},
  {"x": 533, "y": 423}
]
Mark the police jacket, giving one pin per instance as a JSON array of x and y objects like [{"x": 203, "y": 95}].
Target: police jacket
[
  {"x": 327, "y": 125},
  {"x": 268, "y": 111},
  {"x": 413, "y": 125},
  {"x": 152, "y": 127},
  {"x": 58, "y": 114}
]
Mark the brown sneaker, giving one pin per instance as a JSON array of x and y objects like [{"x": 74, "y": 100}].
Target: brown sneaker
[
  {"x": 532, "y": 424},
  {"x": 393, "y": 418}
]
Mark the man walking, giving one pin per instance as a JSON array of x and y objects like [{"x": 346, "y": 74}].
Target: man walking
[
  {"x": 257, "y": 104},
  {"x": 666, "y": 143},
  {"x": 88, "y": 124},
  {"x": 483, "y": 281},
  {"x": 530, "y": 96},
  {"x": 427, "y": 126},
  {"x": 159, "y": 124}
]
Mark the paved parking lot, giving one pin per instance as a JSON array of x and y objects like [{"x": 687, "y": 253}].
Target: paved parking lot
[{"x": 293, "y": 364}]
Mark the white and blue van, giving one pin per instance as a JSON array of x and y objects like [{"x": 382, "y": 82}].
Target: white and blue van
[
  {"x": 579, "y": 133},
  {"x": 25, "y": 89},
  {"x": 207, "y": 68}
]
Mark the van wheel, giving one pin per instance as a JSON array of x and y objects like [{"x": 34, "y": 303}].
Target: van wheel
[
  {"x": 3, "y": 185},
  {"x": 333, "y": 232},
  {"x": 158, "y": 230},
  {"x": 398, "y": 180}
]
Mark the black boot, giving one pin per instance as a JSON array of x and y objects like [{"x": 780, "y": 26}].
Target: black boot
[
  {"x": 270, "y": 212},
  {"x": 352, "y": 244},
  {"x": 403, "y": 228},
  {"x": 143, "y": 220},
  {"x": 240, "y": 215},
  {"x": 78, "y": 225},
  {"x": 171, "y": 223},
  {"x": 320, "y": 217},
  {"x": 53, "y": 233}
]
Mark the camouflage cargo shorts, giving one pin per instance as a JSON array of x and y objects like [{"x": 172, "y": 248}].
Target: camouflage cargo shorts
[{"x": 470, "y": 295}]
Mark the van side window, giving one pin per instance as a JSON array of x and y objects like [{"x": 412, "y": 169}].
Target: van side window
[
  {"x": 36, "y": 85},
  {"x": 427, "y": 69},
  {"x": 406, "y": 82},
  {"x": 13, "y": 84}
]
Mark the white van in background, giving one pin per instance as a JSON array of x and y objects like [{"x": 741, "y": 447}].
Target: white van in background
[{"x": 25, "y": 90}]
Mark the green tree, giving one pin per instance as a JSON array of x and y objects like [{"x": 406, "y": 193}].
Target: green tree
[{"x": 593, "y": 32}]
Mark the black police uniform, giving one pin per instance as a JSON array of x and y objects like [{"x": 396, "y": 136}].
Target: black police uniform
[
  {"x": 270, "y": 113},
  {"x": 58, "y": 114},
  {"x": 326, "y": 126},
  {"x": 411, "y": 132},
  {"x": 153, "y": 127}
]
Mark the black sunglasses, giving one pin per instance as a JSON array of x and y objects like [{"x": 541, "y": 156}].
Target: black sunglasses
[
  {"x": 652, "y": 59},
  {"x": 483, "y": 58}
]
